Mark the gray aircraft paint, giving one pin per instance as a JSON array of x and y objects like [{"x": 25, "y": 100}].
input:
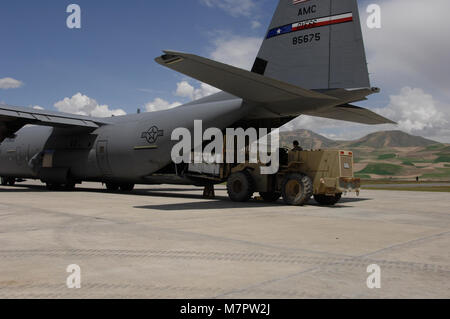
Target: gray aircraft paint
[
  {"x": 134, "y": 148},
  {"x": 127, "y": 156},
  {"x": 336, "y": 61}
]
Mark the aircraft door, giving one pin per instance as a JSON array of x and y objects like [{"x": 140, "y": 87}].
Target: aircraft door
[{"x": 102, "y": 158}]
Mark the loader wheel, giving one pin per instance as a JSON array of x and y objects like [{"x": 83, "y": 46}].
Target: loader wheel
[
  {"x": 328, "y": 200},
  {"x": 270, "y": 197},
  {"x": 126, "y": 187},
  {"x": 240, "y": 187},
  {"x": 297, "y": 189},
  {"x": 112, "y": 187}
]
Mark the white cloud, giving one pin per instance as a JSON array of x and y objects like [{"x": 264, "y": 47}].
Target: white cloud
[
  {"x": 407, "y": 56},
  {"x": 236, "y": 50},
  {"x": 10, "y": 83},
  {"x": 411, "y": 48},
  {"x": 256, "y": 24},
  {"x": 415, "y": 111},
  {"x": 184, "y": 89},
  {"x": 83, "y": 105},
  {"x": 37, "y": 107},
  {"x": 159, "y": 104},
  {"x": 233, "y": 7}
]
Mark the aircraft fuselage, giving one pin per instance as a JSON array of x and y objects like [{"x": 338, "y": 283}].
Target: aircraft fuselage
[{"x": 127, "y": 151}]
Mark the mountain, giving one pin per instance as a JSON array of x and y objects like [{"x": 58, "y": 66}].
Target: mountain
[
  {"x": 381, "y": 155},
  {"x": 389, "y": 139},
  {"x": 378, "y": 140},
  {"x": 307, "y": 139}
]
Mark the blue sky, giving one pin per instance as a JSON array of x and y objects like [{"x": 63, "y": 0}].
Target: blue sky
[
  {"x": 109, "y": 61},
  {"x": 111, "y": 57}
]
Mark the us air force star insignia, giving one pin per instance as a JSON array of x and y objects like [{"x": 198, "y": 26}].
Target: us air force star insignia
[{"x": 152, "y": 134}]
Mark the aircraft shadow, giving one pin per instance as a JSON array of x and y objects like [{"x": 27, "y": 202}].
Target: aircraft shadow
[{"x": 220, "y": 202}]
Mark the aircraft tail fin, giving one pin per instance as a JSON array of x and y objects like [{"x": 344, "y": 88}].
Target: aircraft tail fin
[{"x": 315, "y": 44}]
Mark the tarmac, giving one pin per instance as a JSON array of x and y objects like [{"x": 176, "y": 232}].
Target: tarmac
[
  {"x": 418, "y": 185},
  {"x": 169, "y": 242}
]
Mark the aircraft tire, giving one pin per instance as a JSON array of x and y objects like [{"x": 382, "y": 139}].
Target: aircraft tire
[
  {"x": 297, "y": 189},
  {"x": 11, "y": 181},
  {"x": 70, "y": 186},
  {"x": 53, "y": 187},
  {"x": 126, "y": 187},
  {"x": 324, "y": 200},
  {"x": 112, "y": 187},
  {"x": 240, "y": 187},
  {"x": 270, "y": 197}
]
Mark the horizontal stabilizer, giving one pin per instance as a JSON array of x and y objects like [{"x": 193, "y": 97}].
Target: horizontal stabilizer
[
  {"x": 351, "y": 113},
  {"x": 241, "y": 83}
]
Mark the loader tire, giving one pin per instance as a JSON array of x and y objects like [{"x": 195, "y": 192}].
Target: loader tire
[
  {"x": 240, "y": 187},
  {"x": 297, "y": 189},
  {"x": 324, "y": 200}
]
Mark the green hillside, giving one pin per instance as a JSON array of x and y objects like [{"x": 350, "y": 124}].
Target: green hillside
[{"x": 391, "y": 154}]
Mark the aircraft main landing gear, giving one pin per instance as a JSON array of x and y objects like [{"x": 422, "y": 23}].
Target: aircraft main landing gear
[
  {"x": 8, "y": 181},
  {"x": 60, "y": 187},
  {"x": 123, "y": 187}
]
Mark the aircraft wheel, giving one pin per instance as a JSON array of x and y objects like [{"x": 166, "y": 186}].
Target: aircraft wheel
[
  {"x": 4, "y": 181},
  {"x": 270, "y": 197},
  {"x": 328, "y": 200},
  {"x": 69, "y": 186},
  {"x": 126, "y": 187},
  {"x": 53, "y": 187},
  {"x": 112, "y": 187},
  {"x": 11, "y": 181},
  {"x": 240, "y": 187},
  {"x": 297, "y": 189}
]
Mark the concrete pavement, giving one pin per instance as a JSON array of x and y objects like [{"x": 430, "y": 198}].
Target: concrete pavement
[{"x": 168, "y": 242}]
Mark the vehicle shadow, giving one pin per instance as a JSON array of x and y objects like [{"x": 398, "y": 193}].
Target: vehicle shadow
[{"x": 224, "y": 203}]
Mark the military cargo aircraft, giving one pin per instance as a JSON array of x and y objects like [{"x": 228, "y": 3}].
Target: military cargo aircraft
[{"x": 311, "y": 62}]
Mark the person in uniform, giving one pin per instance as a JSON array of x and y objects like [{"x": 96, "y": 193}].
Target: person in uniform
[{"x": 297, "y": 146}]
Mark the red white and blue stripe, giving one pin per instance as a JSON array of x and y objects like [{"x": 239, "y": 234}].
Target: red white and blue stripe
[{"x": 310, "y": 24}]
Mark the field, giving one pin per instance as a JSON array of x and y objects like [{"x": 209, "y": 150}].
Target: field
[
  {"x": 404, "y": 163},
  {"x": 381, "y": 169}
]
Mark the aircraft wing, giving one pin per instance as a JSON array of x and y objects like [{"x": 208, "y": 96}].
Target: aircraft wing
[
  {"x": 13, "y": 118},
  {"x": 244, "y": 84}
]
